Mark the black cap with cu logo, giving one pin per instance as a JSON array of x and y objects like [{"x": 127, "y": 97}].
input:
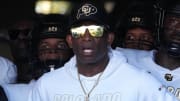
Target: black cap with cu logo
[{"x": 89, "y": 11}]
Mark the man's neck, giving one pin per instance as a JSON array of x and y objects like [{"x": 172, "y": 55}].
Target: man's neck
[
  {"x": 167, "y": 61},
  {"x": 92, "y": 69}
]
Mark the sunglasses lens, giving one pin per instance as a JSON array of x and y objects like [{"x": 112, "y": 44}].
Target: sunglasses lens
[
  {"x": 95, "y": 31},
  {"x": 13, "y": 34},
  {"x": 77, "y": 32}
]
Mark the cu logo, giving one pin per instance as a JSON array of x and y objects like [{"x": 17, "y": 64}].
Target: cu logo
[{"x": 86, "y": 10}]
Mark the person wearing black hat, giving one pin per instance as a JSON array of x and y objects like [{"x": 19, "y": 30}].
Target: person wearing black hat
[
  {"x": 49, "y": 47},
  {"x": 138, "y": 26},
  {"x": 96, "y": 72},
  {"x": 138, "y": 36}
]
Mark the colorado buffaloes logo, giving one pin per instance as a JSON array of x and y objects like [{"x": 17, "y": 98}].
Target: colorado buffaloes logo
[
  {"x": 135, "y": 19},
  {"x": 168, "y": 77},
  {"x": 52, "y": 29},
  {"x": 86, "y": 10}
]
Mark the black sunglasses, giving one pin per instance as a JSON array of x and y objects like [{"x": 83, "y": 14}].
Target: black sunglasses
[{"x": 13, "y": 34}]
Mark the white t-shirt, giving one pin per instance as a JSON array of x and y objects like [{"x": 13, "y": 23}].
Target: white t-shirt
[
  {"x": 119, "y": 82},
  {"x": 8, "y": 71},
  {"x": 145, "y": 60}
]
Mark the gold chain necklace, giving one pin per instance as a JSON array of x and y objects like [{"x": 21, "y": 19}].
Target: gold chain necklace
[{"x": 87, "y": 94}]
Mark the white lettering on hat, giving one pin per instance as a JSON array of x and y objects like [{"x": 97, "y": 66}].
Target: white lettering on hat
[
  {"x": 86, "y": 10},
  {"x": 52, "y": 29},
  {"x": 135, "y": 19}
]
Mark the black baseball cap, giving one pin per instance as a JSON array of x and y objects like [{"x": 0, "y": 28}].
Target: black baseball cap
[
  {"x": 50, "y": 26},
  {"x": 52, "y": 30},
  {"x": 48, "y": 30},
  {"x": 140, "y": 14},
  {"x": 140, "y": 20},
  {"x": 88, "y": 11}
]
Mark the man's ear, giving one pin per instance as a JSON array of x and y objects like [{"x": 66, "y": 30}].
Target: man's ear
[
  {"x": 69, "y": 40},
  {"x": 110, "y": 38}
]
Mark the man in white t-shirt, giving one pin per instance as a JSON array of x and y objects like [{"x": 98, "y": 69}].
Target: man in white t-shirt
[
  {"x": 164, "y": 63},
  {"x": 96, "y": 72}
]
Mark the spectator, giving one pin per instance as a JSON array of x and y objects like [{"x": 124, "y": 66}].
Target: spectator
[
  {"x": 19, "y": 41},
  {"x": 49, "y": 47},
  {"x": 137, "y": 28}
]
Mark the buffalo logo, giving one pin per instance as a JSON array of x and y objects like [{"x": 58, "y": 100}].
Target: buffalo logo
[
  {"x": 86, "y": 10},
  {"x": 135, "y": 19},
  {"x": 168, "y": 77}
]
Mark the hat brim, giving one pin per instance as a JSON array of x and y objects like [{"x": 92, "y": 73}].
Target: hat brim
[
  {"x": 95, "y": 20},
  {"x": 52, "y": 35}
]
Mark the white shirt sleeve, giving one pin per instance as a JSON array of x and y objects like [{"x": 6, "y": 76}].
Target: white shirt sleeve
[{"x": 8, "y": 73}]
